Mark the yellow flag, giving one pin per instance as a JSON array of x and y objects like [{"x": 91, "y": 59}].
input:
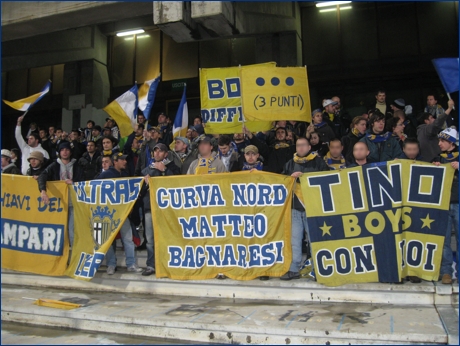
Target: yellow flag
[
  {"x": 279, "y": 93},
  {"x": 221, "y": 110},
  {"x": 237, "y": 224},
  {"x": 34, "y": 235},
  {"x": 101, "y": 207}
]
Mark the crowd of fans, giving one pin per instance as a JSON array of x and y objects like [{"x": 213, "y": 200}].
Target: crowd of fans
[{"x": 333, "y": 140}]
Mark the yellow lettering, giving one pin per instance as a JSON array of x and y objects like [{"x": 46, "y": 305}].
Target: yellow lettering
[
  {"x": 369, "y": 222},
  {"x": 406, "y": 219},
  {"x": 394, "y": 218},
  {"x": 350, "y": 226}
]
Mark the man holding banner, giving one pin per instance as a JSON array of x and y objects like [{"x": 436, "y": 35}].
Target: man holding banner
[
  {"x": 65, "y": 169},
  {"x": 161, "y": 166},
  {"x": 118, "y": 170},
  {"x": 447, "y": 142},
  {"x": 304, "y": 161}
]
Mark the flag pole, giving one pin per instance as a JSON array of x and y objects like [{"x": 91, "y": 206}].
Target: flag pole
[
  {"x": 448, "y": 95},
  {"x": 241, "y": 91}
]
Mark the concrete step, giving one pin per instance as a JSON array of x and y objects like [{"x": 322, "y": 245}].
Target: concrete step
[
  {"x": 425, "y": 293},
  {"x": 231, "y": 320}
]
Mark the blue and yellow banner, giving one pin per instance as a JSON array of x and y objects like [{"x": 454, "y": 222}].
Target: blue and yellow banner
[
  {"x": 234, "y": 224},
  {"x": 221, "y": 109},
  {"x": 100, "y": 209},
  {"x": 33, "y": 235},
  {"x": 276, "y": 93},
  {"x": 379, "y": 222}
]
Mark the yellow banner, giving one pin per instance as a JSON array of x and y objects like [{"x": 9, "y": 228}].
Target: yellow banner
[
  {"x": 231, "y": 223},
  {"x": 279, "y": 93},
  {"x": 100, "y": 209},
  {"x": 34, "y": 236},
  {"x": 379, "y": 222},
  {"x": 221, "y": 109}
]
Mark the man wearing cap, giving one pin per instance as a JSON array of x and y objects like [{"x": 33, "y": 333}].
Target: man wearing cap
[
  {"x": 276, "y": 155},
  {"x": 8, "y": 167},
  {"x": 208, "y": 161},
  {"x": 151, "y": 138},
  {"x": 65, "y": 168},
  {"x": 197, "y": 132},
  {"x": 329, "y": 111},
  {"x": 160, "y": 166},
  {"x": 304, "y": 161},
  {"x": 427, "y": 132},
  {"x": 118, "y": 170},
  {"x": 33, "y": 144},
  {"x": 448, "y": 140},
  {"x": 96, "y": 137},
  {"x": 182, "y": 155},
  {"x": 112, "y": 125},
  {"x": 36, "y": 164},
  {"x": 250, "y": 160}
]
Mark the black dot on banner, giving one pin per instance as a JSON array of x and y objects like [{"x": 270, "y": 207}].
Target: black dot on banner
[
  {"x": 275, "y": 81},
  {"x": 289, "y": 81},
  {"x": 260, "y": 81}
]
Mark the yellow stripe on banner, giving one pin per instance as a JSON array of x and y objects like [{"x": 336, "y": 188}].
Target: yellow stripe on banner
[
  {"x": 20, "y": 104},
  {"x": 119, "y": 115}
]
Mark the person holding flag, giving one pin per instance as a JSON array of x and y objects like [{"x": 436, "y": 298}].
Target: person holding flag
[{"x": 33, "y": 144}]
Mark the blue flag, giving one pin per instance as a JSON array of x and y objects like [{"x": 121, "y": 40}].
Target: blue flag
[
  {"x": 147, "y": 94},
  {"x": 447, "y": 69}
]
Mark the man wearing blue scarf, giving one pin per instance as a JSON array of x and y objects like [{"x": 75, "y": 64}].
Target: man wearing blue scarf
[{"x": 382, "y": 146}]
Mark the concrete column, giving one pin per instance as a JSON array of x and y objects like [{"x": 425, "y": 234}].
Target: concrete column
[
  {"x": 284, "y": 48},
  {"x": 89, "y": 78}
]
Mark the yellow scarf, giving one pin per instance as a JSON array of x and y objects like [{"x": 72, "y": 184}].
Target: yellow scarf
[
  {"x": 332, "y": 163},
  {"x": 281, "y": 145},
  {"x": 106, "y": 152},
  {"x": 311, "y": 156},
  {"x": 204, "y": 166}
]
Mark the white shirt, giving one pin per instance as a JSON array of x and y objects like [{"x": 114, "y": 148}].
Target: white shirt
[{"x": 26, "y": 150}]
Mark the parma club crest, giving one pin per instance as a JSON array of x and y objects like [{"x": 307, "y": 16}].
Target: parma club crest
[{"x": 103, "y": 224}]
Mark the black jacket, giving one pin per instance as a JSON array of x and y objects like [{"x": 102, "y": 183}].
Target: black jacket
[
  {"x": 348, "y": 143},
  {"x": 52, "y": 173},
  {"x": 91, "y": 165},
  {"x": 315, "y": 165},
  {"x": 171, "y": 169},
  {"x": 454, "y": 189},
  {"x": 144, "y": 154},
  {"x": 275, "y": 159}
]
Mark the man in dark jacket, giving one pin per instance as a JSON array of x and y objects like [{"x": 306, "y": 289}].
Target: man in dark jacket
[
  {"x": 275, "y": 156},
  {"x": 382, "y": 146},
  {"x": 449, "y": 154},
  {"x": 151, "y": 139},
  {"x": 427, "y": 132},
  {"x": 182, "y": 155},
  {"x": 159, "y": 167},
  {"x": 304, "y": 161},
  {"x": 65, "y": 168},
  {"x": 118, "y": 170},
  {"x": 89, "y": 161}
]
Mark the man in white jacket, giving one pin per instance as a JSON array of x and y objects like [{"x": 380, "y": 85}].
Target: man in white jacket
[{"x": 33, "y": 144}]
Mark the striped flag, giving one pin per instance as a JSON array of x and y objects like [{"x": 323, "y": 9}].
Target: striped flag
[
  {"x": 25, "y": 104},
  {"x": 124, "y": 111},
  {"x": 147, "y": 95},
  {"x": 447, "y": 69},
  {"x": 181, "y": 121}
]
